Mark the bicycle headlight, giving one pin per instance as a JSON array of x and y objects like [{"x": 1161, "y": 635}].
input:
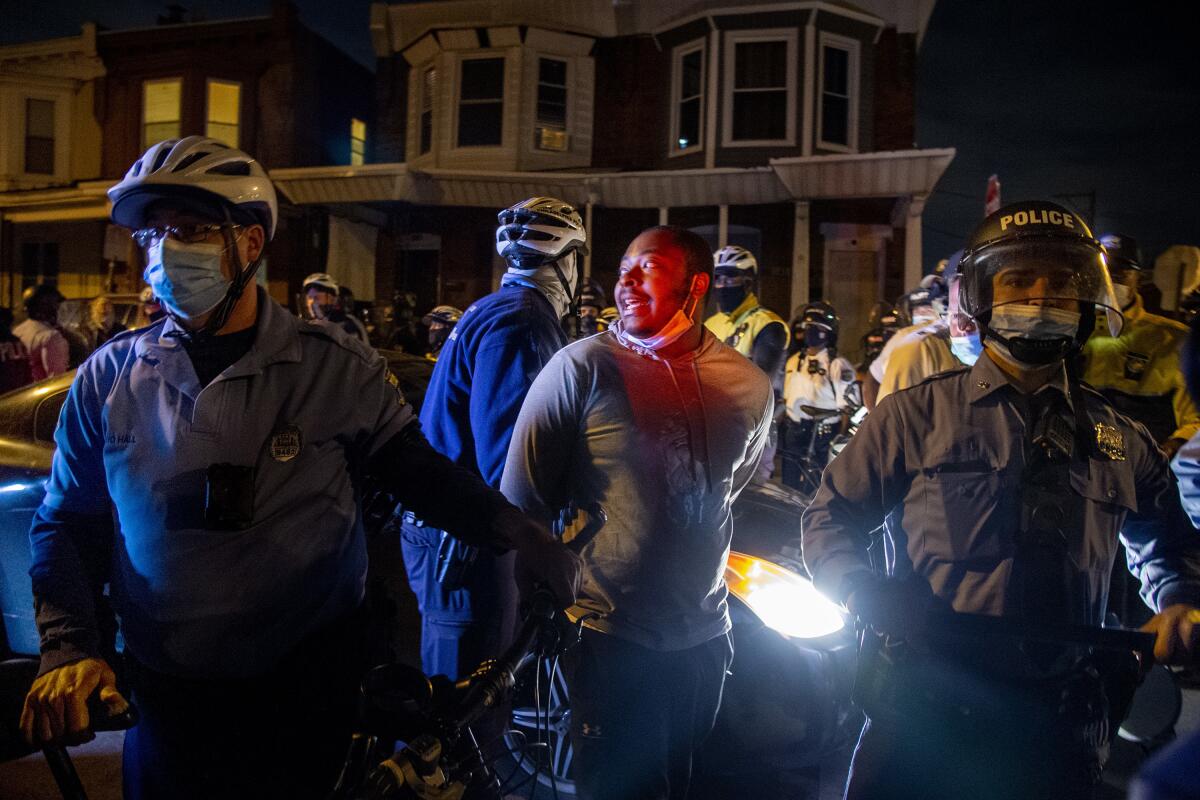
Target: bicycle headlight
[{"x": 785, "y": 602}]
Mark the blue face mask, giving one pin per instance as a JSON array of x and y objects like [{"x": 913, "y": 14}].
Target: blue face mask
[
  {"x": 186, "y": 278},
  {"x": 966, "y": 348}
]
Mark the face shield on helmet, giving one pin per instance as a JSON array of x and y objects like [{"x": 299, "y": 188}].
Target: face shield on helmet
[{"x": 1031, "y": 277}]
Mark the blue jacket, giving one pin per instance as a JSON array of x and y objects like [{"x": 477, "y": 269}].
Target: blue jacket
[{"x": 483, "y": 374}]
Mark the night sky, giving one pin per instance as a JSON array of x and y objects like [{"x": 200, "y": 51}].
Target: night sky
[{"x": 1056, "y": 97}]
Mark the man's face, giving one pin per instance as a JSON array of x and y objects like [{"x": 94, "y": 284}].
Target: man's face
[
  {"x": 653, "y": 283},
  {"x": 248, "y": 240},
  {"x": 102, "y": 312},
  {"x": 1035, "y": 286},
  {"x": 318, "y": 300},
  {"x": 960, "y": 323}
]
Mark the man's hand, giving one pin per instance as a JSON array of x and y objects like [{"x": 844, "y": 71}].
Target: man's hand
[
  {"x": 541, "y": 558},
  {"x": 899, "y": 608},
  {"x": 56, "y": 709},
  {"x": 1177, "y": 629}
]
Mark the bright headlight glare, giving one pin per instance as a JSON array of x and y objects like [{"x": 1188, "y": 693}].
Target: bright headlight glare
[{"x": 784, "y": 601}]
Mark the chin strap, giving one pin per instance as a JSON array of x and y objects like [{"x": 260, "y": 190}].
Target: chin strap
[{"x": 243, "y": 275}]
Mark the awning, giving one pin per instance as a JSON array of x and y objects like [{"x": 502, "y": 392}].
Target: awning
[
  {"x": 889, "y": 174},
  {"x": 84, "y": 201}
]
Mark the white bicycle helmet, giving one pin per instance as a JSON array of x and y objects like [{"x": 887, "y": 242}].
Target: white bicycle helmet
[
  {"x": 735, "y": 260},
  {"x": 539, "y": 230},
  {"x": 206, "y": 175},
  {"x": 322, "y": 280},
  {"x": 447, "y": 315}
]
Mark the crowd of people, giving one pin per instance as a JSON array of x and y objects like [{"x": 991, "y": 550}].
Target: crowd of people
[{"x": 1022, "y": 409}]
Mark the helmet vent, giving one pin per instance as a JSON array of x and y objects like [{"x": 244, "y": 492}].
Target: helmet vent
[
  {"x": 159, "y": 159},
  {"x": 231, "y": 168},
  {"x": 188, "y": 160}
]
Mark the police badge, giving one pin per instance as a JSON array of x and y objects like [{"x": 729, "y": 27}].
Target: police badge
[
  {"x": 285, "y": 443},
  {"x": 1110, "y": 442}
]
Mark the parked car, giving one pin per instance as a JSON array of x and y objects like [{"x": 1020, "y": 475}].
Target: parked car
[{"x": 786, "y": 703}]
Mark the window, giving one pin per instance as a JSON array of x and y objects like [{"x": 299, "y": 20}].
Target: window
[
  {"x": 552, "y": 93},
  {"x": 687, "y": 98},
  {"x": 358, "y": 142},
  {"x": 161, "y": 100},
  {"x": 428, "y": 87},
  {"x": 39, "y": 136},
  {"x": 481, "y": 102},
  {"x": 224, "y": 102},
  {"x": 760, "y": 88},
  {"x": 39, "y": 263},
  {"x": 838, "y": 116}
]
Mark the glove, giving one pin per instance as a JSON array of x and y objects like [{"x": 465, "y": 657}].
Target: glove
[
  {"x": 56, "y": 710},
  {"x": 1177, "y": 629},
  {"x": 541, "y": 558},
  {"x": 899, "y": 608}
]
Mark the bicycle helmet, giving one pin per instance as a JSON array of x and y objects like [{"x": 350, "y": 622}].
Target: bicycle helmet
[
  {"x": 210, "y": 178},
  {"x": 734, "y": 260},
  {"x": 321, "y": 280},
  {"x": 538, "y": 231},
  {"x": 446, "y": 315}
]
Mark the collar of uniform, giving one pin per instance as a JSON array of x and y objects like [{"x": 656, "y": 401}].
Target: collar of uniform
[
  {"x": 276, "y": 340},
  {"x": 986, "y": 377},
  {"x": 748, "y": 304},
  {"x": 1131, "y": 314}
]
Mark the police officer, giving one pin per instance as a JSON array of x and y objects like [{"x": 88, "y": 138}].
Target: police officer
[
  {"x": 227, "y": 443},
  {"x": 816, "y": 379},
  {"x": 1139, "y": 371},
  {"x": 1003, "y": 488},
  {"x": 440, "y": 322},
  {"x": 323, "y": 299},
  {"x": 466, "y": 595},
  {"x": 925, "y": 305},
  {"x": 882, "y": 324},
  {"x": 740, "y": 322},
  {"x": 591, "y": 304}
]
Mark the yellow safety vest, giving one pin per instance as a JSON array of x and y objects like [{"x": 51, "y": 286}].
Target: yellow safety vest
[
  {"x": 1139, "y": 372},
  {"x": 741, "y": 327}
]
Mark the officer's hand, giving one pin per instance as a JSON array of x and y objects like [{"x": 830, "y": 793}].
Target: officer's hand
[
  {"x": 541, "y": 558},
  {"x": 56, "y": 709},
  {"x": 899, "y": 608},
  {"x": 1177, "y": 629}
]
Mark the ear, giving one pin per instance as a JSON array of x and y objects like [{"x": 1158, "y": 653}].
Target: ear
[
  {"x": 701, "y": 284},
  {"x": 256, "y": 239}
]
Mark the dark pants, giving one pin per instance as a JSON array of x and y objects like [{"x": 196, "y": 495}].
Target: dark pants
[
  {"x": 279, "y": 735},
  {"x": 794, "y": 438},
  {"x": 638, "y": 715},
  {"x": 464, "y": 626}
]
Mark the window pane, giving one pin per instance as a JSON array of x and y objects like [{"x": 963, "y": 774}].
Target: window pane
[
  {"x": 39, "y": 118},
  {"x": 160, "y": 101},
  {"x": 689, "y": 82},
  {"x": 759, "y": 115},
  {"x": 552, "y": 71},
  {"x": 223, "y": 102},
  {"x": 482, "y": 79},
  {"x": 760, "y": 65},
  {"x": 479, "y": 124},
  {"x": 158, "y": 131},
  {"x": 39, "y": 155},
  {"x": 689, "y": 124},
  {"x": 835, "y": 120},
  {"x": 358, "y": 129},
  {"x": 427, "y": 86},
  {"x": 837, "y": 71},
  {"x": 222, "y": 133},
  {"x": 426, "y": 131}
]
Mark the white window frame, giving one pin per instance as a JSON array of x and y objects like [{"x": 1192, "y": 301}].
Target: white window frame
[
  {"x": 208, "y": 82},
  {"x": 480, "y": 55},
  {"x": 428, "y": 67},
  {"x": 677, "y": 55},
  {"x": 732, "y": 40},
  {"x": 853, "y": 48}
]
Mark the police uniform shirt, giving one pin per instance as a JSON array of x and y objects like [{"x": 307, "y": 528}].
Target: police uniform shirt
[
  {"x": 1139, "y": 372},
  {"x": 741, "y": 327},
  {"x": 305, "y": 407},
  {"x": 923, "y": 353},
  {"x": 942, "y": 462},
  {"x": 878, "y": 367},
  {"x": 824, "y": 389}
]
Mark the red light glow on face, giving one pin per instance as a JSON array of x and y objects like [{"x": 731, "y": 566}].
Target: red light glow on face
[{"x": 652, "y": 283}]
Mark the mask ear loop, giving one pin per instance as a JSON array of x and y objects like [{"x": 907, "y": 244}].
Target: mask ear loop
[{"x": 693, "y": 297}]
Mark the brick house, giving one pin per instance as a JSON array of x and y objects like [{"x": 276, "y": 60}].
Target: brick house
[{"x": 786, "y": 127}]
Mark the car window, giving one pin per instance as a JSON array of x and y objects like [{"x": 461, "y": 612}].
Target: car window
[{"x": 45, "y": 418}]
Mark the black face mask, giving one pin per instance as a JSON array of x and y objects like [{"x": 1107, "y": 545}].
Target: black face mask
[
  {"x": 588, "y": 325},
  {"x": 730, "y": 297},
  {"x": 438, "y": 337}
]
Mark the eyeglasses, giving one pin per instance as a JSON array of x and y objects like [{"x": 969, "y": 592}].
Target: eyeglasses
[{"x": 188, "y": 234}]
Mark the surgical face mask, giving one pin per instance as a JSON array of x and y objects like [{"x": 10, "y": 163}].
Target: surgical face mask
[
  {"x": 730, "y": 297},
  {"x": 1033, "y": 335},
  {"x": 966, "y": 348},
  {"x": 186, "y": 278},
  {"x": 677, "y": 326},
  {"x": 1125, "y": 295},
  {"x": 816, "y": 336}
]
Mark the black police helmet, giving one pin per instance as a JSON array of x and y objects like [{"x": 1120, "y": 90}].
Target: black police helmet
[{"x": 1122, "y": 251}]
